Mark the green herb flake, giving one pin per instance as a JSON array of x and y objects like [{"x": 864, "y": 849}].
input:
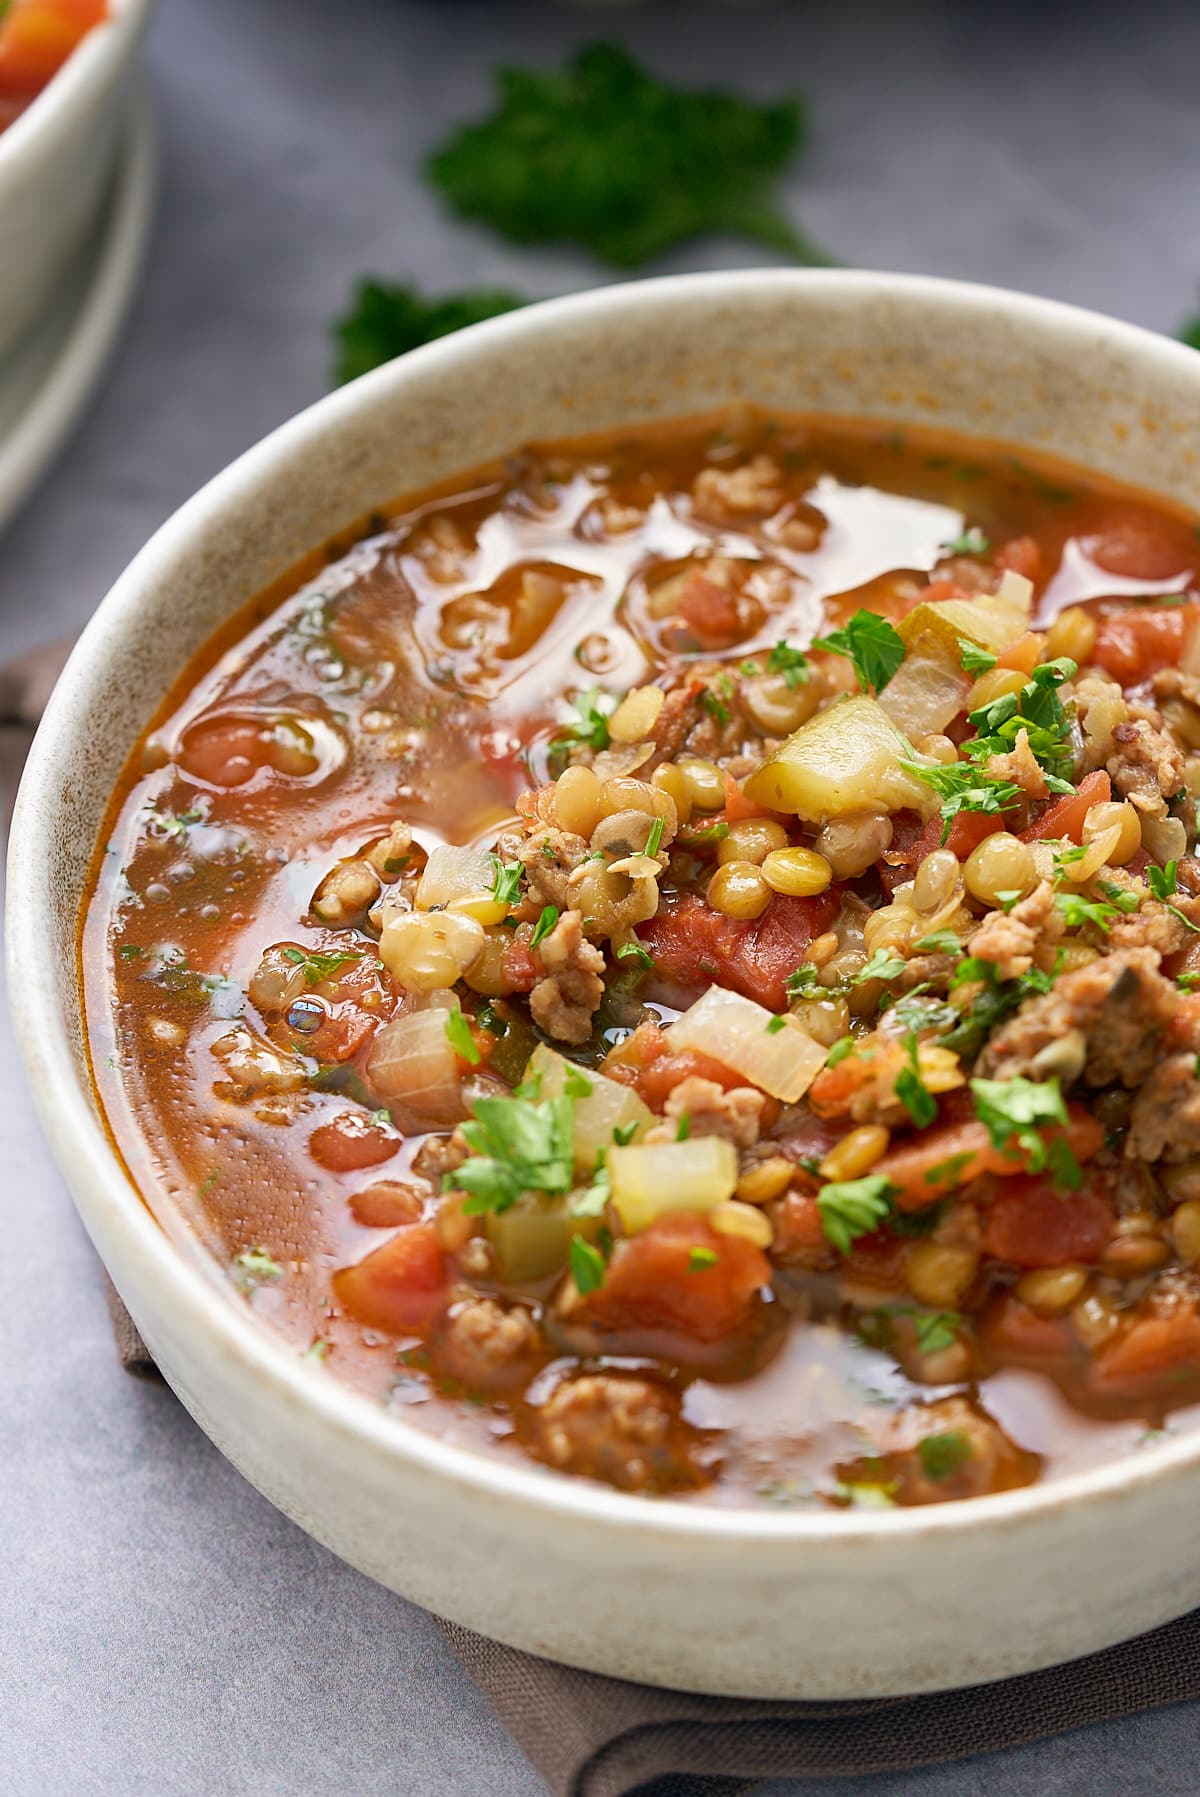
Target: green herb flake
[
  {"x": 683, "y": 1127},
  {"x": 842, "y": 1047},
  {"x": 971, "y": 542},
  {"x": 544, "y": 925},
  {"x": 577, "y": 1085},
  {"x": 566, "y": 157},
  {"x": 506, "y": 880},
  {"x": 517, "y": 1146},
  {"x": 1015, "y": 1110},
  {"x": 1078, "y": 910},
  {"x": 590, "y": 728},
  {"x": 941, "y": 942},
  {"x": 791, "y": 663},
  {"x": 715, "y": 708},
  {"x": 587, "y": 1266},
  {"x": 963, "y": 787},
  {"x": 636, "y": 952},
  {"x": 253, "y": 1267},
  {"x": 804, "y": 982},
  {"x": 974, "y": 659},
  {"x": 849, "y": 1208},
  {"x": 700, "y": 1259},
  {"x": 458, "y": 1035},
  {"x": 775, "y": 1025},
  {"x": 942, "y": 1455},
  {"x": 873, "y": 645},
  {"x": 654, "y": 840},
  {"x": 317, "y": 1349},
  {"x": 881, "y": 966},
  {"x": 129, "y": 951},
  {"x": 318, "y": 967}
]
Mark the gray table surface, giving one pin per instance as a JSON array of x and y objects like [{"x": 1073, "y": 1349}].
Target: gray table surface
[{"x": 164, "y": 1630}]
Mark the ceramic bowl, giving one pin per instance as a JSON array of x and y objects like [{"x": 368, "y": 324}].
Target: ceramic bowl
[
  {"x": 56, "y": 161},
  {"x": 784, "y": 1605}
]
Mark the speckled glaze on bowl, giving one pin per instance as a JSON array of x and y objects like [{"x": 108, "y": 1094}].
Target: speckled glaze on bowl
[
  {"x": 56, "y": 161},
  {"x": 812, "y": 1605}
]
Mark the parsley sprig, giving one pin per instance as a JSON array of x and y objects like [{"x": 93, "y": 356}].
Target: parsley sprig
[
  {"x": 964, "y": 787},
  {"x": 849, "y": 1208},
  {"x": 516, "y": 1146},
  {"x": 1038, "y": 710},
  {"x": 1015, "y": 1111},
  {"x": 872, "y": 644},
  {"x": 318, "y": 967},
  {"x": 590, "y": 728}
]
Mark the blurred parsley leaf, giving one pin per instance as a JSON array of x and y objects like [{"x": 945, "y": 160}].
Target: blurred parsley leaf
[
  {"x": 387, "y": 319},
  {"x": 606, "y": 155},
  {"x": 1190, "y": 334}
]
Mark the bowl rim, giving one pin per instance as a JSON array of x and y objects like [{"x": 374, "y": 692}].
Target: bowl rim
[
  {"x": 75, "y": 86},
  {"x": 98, "y": 1179}
]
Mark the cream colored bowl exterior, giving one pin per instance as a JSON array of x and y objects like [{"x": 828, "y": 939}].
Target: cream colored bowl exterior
[
  {"x": 56, "y": 161},
  {"x": 768, "y": 1605}
]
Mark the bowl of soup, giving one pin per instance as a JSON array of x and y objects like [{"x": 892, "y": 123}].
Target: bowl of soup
[
  {"x": 606, "y": 931},
  {"x": 66, "y": 68}
]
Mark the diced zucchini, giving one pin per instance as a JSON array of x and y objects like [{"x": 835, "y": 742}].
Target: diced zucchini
[
  {"x": 607, "y": 1106},
  {"x": 533, "y": 1238},
  {"x": 652, "y": 1180},
  {"x": 988, "y": 622},
  {"x": 847, "y": 759}
]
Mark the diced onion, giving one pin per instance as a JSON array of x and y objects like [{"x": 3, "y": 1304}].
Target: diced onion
[
  {"x": 608, "y": 1105},
  {"x": 774, "y": 1053},
  {"x": 453, "y": 873},
  {"x": 414, "y": 1069},
  {"x": 1015, "y": 590},
  {"x": 652, "y": 1180}
]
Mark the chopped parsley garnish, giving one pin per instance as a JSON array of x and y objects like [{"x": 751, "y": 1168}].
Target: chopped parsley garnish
[
  {"x": 1016, "y": 1110},
  {"x": 839, "y": 1051},
  {"x": 587, "y": 1266},
  {"x": 506, "y": 880},
  {"x": 849, "y": 1208},
  {"x": 963, "y": 787},
  {"x": 458, "y": 1035},
  {"x": 577, "y": 1084},
  {"x": 623, "y": 1133},
  {"x": 941, "y": 1455},
  {"x": 516, "y": 1146},
  {"x": 971, "y": 542},
  {"x": 1038, "y": 710},
  {"x": 606, "y": 154},
  {"x": 715, "y": 708},
  {"x": 775, "y": 1025},
  {"x": 319, "y": 967},
  {"x": 129, "y": 951},
  {"x": 791, "y": 663},
  {"x": 1164, "y": 884},
  {"x": 992, "y": 1005},
  {"x": 1188, "y": 980},
  {"x": 1120, "y": 896},
  {"x": 654, "y": 840},
  {"x": 1078, "y": 910},
  {"x": 913, "y": 1093},
  {"x": 700, "y": 1259},
  {"x": 253, "y": 1266},
  {"x": 683, "y": 1127},
  {"x": 589, "y": 731},
  {"x": 881, "y": 966},
  {"x": 804, "y": 982},
  {"x": 634, "y": 951},
  {"x": 591, "y": 1201},
  {"x": 941, "y": 942},
  {"x": 705, "y": 836},
  {"x": 544, "y": 925},
  {"x": 872, "y": 644},
  {"x": 387, "y": 319},
  {"x": 974, "y": 659},
  {"x": 936, "y": 1329}
]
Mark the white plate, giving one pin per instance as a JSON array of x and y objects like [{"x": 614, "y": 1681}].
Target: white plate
[{"x": 46, "y": 380}]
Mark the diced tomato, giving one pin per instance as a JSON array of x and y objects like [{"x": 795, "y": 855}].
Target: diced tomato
[
  {"x": 1135, "y": 643},
  {"x": 388, "y": 1204},
  {"x": 941, "y": 1159},
  {"x": 1153, "y": 1352},
  {"x": 658, "y": 1080},
  {"x": 400, "y": 1286},
  {"x": 938, "y": 591},
  {"x": 352, "y": 1140},
  {"x": 694, "y": 946},
  {"x": 521, "y": 968},
  {"x": 1063, "y": 818},
  {"x": 36, "y": 38},
  {"x": 710, "y": 611},
  {"x": 737, "y": 806},
  {"x": 800, "y": 1239},
  {"x": 912, "y": 840},
  {"x": 1010, "y": 1331},
  {"x": 654, "y": 1283},
  {"x": 1031, "y": 1224},
  {"x": 1021, "y": 555},
  {"x": 1140, "y": 547},
  {"x": 1023, "y": 655}
]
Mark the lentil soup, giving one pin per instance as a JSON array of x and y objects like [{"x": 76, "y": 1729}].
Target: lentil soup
[{"x": 678, "y": 956}]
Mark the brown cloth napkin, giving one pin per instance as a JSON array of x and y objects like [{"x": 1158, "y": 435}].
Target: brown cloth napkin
[{"x": 600, "y": 1737}]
